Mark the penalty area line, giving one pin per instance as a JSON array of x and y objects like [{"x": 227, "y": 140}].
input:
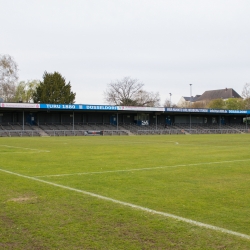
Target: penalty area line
[
  {"x": 193, "y": 222},
  {"x": 139, "y": 169}
]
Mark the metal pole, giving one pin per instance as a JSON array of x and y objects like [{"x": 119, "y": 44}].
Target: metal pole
[
  {"x": 117, "y": 121},
  {"x": 73, "y": 120},
  {"x": 156, "y": 121},
  {"x": 23, "y": 120},
  {"x": 190, "y": 95}
]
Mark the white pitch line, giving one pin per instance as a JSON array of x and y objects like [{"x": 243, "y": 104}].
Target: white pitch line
[
  {"x": 24, "y": 148},
  {"x": 20, "y": 152},
  {"x": 137, "y": 142},
  {"x": 197, "y": 223},
  {"x": 138, "y": 169}
]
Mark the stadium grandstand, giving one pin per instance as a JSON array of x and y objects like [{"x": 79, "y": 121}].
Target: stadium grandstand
[{"x": 27, "y": 119}]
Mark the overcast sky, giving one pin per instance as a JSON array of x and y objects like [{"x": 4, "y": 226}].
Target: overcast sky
[{"x": 165, "y": 44}]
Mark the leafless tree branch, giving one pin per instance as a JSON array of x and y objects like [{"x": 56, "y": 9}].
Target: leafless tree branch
[
  {"x": 8, "y": 77},
  {"x": 129, "y": 92}
]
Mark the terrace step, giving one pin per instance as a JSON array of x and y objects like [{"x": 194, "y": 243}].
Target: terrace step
[
  {"x": 127, "y": 131},
  {"x": 41, "y": 132}
]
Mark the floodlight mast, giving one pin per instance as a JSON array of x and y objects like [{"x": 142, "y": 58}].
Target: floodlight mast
[
  {"x": 190, "y": 95},
  {"x": 190, "y": 105}
]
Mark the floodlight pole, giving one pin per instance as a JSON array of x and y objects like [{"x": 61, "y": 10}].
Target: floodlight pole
[
  {"x": 190, "y": 95},
  {"x": 170, "y": 99}
]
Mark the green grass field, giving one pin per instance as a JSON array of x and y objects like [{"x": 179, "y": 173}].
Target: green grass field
[{"x": 204, "y": 178}]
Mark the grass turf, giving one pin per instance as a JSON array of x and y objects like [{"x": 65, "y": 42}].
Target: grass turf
[{"x": 36, "y": 215}]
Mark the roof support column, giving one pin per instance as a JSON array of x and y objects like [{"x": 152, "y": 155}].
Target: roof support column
[
  {"x": 23, "y": 119},
  {"x": 117, "y": 121},
  {"x": 156, "y": 121}
]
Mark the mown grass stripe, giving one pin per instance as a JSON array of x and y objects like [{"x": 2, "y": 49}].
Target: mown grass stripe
[
  {"x": 197, "y": 223},
  {"x": 138, "y": 169}
]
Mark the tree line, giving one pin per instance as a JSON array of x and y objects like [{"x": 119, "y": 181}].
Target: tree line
[
  {"x": 124, "y": 92},
  {"x": 52, "y": 89}
]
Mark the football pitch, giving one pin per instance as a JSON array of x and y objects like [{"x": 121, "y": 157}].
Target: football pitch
[{"x": 125, "y": 192}]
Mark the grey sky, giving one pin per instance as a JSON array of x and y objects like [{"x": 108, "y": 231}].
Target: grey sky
[{"x": 165, "y": 44}]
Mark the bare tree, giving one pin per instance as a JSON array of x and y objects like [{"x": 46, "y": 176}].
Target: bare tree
[
  {"x": 147, "y": 99},
  {"x": 167, "y": 104},
  {"x": 246, "y": 91},
  {"x": 8, "y": 77},
  {"x": 246, "y": 95},
  {"x": 129, "y": 92}
]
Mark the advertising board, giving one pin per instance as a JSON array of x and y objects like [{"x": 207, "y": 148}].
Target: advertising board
[
  {"x": 118, "y": 108},
  {"x": 20, "y": 105}
]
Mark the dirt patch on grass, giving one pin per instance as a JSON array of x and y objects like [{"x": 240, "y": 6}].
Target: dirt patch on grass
[{"x": 22, "y": 199}]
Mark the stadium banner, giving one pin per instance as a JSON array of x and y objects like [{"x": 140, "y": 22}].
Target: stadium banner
[
  {"x": 218, "y": 111},
  {"x": 239, "y": 111},
  {"x": 98, "y": 107},
  {"x": 20, "y": 105},
  {"x": 186, "y": 110},
  {"x": 131, "y": 108},
  {"x": 118, "y": 108},
  {"x": 73, "y": 106}
]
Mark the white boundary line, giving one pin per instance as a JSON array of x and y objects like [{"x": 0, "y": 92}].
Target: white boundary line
[
  {"x": 196, "y": 223},
  {"x": 38, "y": 150},
  {"x": 138, "y": 169}
]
